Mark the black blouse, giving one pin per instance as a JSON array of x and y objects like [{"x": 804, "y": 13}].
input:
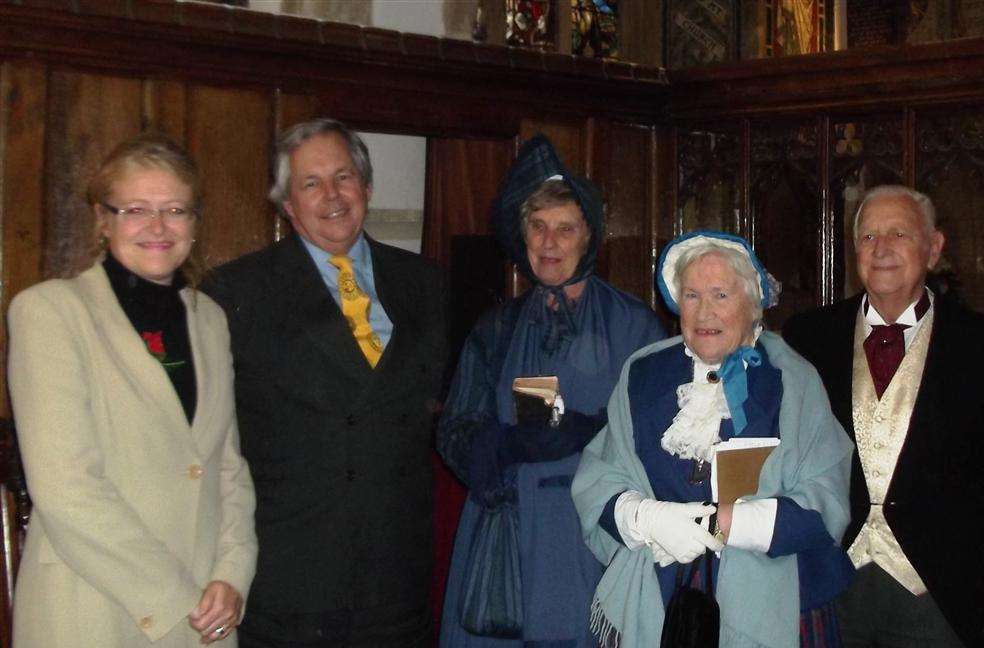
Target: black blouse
[{"x": 158, "y": 315}]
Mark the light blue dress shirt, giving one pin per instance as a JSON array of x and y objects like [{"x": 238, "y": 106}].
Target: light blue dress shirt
[{"x": 362, "y": 267}]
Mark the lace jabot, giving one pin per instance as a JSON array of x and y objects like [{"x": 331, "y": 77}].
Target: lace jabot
[{"x": 695, "y": 429}]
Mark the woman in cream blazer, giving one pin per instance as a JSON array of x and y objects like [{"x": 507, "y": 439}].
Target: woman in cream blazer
[{"x": 142, "y": 527}]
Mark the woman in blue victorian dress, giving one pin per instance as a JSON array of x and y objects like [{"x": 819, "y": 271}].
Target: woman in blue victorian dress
[
  {"x": 643, "y": 488},
  {"x": 520, "y": 572}
]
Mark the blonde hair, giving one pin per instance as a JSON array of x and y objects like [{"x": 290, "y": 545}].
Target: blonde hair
[{"x": 148, "y": 150}]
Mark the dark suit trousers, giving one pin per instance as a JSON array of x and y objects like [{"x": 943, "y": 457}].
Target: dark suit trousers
[
  {"x": 379, "y": 628},
  {"x": 877, "y": 611}
]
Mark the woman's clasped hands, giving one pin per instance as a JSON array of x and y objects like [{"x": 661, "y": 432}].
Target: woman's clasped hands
[
  {"x": 218, "y": 612},
  {"x": 669, "y": 529}
]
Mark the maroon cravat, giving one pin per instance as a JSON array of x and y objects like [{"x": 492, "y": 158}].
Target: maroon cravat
[{"x": 884, "y": 349}]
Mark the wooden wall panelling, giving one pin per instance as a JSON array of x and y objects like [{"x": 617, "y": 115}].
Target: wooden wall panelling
[
  {"x": 165, "y": 107},
  {"x": 640, "y": 33},
  {"x": 229, "y": 132},
  {"x": 866, "y": 79},
  {"x": 422, "y": 110},
  {"x": 383, "y": 75},
  {"x": 88, "y": 115},
  {"x": 292, "y": 108},
  {"x": 622, "y": 166},
  {"x": 23, "y": 98},
  {"x": 23, "y": 92},
  {"x": 463, "y": 179},
  {"x": 569, "y": 137}
]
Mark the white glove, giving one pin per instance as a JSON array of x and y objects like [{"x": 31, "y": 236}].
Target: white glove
[{"x": 668, "y": 528}]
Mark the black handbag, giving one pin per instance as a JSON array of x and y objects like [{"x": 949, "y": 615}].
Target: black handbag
[
  {"x": 491, "y": 603},
  {"x": 693, "y": 618}
]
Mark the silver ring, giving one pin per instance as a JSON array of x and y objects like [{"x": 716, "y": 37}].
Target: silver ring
[{"x": 219, "y": 630}]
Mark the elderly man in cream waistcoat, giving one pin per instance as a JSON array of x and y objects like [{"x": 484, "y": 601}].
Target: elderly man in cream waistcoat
[{"x": 897, "y": 362}]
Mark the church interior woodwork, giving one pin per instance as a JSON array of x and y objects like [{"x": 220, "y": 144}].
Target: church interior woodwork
[{"x": 776, "y": 150}]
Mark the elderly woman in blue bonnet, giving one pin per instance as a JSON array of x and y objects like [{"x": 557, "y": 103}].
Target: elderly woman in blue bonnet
[
  {"x": 520, "y": 572},
  {"x": 642, "y": 487}
]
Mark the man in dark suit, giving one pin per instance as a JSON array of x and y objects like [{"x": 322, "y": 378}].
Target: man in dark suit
[
  {"x": 339, "y": 347},
  {"x": 900, "y": 365}
]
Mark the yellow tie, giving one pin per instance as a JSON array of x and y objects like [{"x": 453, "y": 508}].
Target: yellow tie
[{"x": 355, "y": 307}]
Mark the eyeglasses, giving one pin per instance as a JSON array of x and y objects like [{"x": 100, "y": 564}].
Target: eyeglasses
[{"x": 142, "y": 214}]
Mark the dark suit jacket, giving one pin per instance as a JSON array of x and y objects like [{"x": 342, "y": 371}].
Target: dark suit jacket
[
  {"x": 339, "y": 451},
  {"x": 935, "y": 496}
]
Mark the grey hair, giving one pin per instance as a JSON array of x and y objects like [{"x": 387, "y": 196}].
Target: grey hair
[
  {"x": 739, "y": 262},
  {"x": 552, "y": 193},
  {"x": 923, "y": 204},
  {"x": 292, "y": 138}
]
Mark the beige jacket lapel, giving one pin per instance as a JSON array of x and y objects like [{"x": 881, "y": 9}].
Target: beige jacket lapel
[
  {"x": 129, "y": 350},
  {"x": 206, "y": 353}
]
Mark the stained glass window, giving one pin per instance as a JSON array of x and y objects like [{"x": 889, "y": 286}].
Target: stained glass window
[
  {"x": 530, "y": 23},
  {"x": 594, "y": 28},
  {"x": 699, "y": 32}
]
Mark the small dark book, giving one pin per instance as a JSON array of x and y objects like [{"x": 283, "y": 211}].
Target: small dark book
[{"x": 535, "y": 398}]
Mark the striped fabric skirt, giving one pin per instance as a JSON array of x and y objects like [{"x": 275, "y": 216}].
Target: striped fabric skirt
[{"x": 819, "y": 629}]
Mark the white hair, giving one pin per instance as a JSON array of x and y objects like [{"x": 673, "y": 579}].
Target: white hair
[
  {"x": 747, "y": 274},
  {"x": 291, "y": 140},
  {"x": 924, "y": 206}
]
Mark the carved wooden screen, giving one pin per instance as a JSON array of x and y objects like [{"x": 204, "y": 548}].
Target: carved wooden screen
[
  {"x": 758, "y": 179},
  {"x": 709, "y": 193},
  {"x": 864, "y": 151},
  {"x": 950, "y": 170},
  {"x": 784, "y": 220},
  {"x": 816, "y": 132}
]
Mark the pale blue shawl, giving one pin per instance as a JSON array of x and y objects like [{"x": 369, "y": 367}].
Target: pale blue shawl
[{"x": 758, "y": 595}]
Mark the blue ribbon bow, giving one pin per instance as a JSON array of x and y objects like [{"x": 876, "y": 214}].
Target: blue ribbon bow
[{"x": 736, "y": 383}]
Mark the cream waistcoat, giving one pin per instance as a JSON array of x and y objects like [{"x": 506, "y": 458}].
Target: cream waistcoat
[{"x": 880, "y": 429}]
